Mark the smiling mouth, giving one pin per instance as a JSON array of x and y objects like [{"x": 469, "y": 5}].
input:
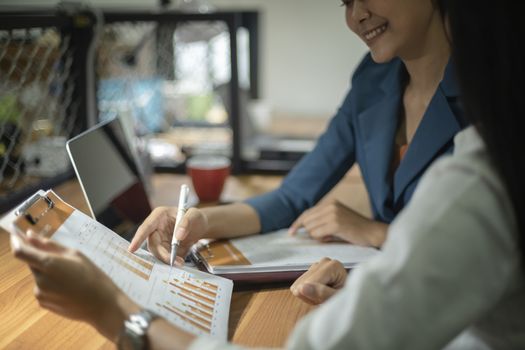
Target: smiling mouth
[{"x": 371, "y": 34}]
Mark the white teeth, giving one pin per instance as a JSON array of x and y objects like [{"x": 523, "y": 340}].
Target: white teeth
[{"x": 373, "y": 33}]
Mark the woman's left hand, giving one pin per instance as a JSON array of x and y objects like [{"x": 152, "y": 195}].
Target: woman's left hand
[
  {"x": 69, "y": 284},
  {"x": 332, "y": 220}
]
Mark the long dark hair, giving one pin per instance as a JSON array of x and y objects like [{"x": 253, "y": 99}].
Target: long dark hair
[{"x": 487, "y": 39}]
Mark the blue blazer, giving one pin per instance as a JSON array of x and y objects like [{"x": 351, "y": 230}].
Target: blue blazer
[{"x": 363, "y": 131}]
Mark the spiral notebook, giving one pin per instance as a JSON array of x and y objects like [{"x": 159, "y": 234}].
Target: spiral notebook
[{"x": 193, "y": 300}]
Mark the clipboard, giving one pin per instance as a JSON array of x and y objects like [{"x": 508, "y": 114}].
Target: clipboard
[
  {"x": 43, "y": 213},
  {"x": 174, "y": 293},
  {"x": 273, "y": 257}
]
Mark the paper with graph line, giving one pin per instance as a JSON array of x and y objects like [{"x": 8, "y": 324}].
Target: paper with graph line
[{"x": 193, "y": 300}]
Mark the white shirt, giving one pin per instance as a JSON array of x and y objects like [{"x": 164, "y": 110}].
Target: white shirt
[{"x": 449, "y": 275}]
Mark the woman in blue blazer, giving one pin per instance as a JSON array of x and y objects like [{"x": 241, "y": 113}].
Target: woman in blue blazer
[
  {"x": 364, "y": 131},
  {"x": 400, "y": 114}
]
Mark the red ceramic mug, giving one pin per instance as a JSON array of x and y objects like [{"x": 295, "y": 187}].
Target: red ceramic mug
[{"x": 208, "y": 174}]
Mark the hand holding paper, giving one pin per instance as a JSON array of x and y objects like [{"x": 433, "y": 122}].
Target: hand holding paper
[
  {"x": 73, "y": 285},
  {"x": 69, "y": 284}
]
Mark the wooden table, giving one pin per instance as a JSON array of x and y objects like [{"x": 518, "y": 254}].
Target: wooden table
[
  {"x": 258, "y": 317},
  {"x": 262, "y": 316}
]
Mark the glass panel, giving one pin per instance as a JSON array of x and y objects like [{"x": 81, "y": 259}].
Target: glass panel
[
  {"x": 171, "y": 82},
  {"x": 202, "y": 63}
]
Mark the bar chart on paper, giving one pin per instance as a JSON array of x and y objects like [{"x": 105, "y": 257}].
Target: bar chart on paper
[
  {"x": 197, "y": 304},
  {"x": 133, "y": 263},
  {"x": 113, "y": 249},
  {"x": 195, "y": 301}
]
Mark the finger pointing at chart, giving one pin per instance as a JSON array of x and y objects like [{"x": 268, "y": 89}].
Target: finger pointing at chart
[{"x": 161, "y": 227}]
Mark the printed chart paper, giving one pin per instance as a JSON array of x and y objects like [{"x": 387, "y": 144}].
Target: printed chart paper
[{"x": 193, "y": 300}]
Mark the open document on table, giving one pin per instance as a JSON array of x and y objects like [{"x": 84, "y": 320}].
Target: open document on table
[
  {"x": 193, "y": 300},
  {"x": 274, "y": 256}
]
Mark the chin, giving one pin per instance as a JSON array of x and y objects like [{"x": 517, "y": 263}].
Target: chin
[{"x": 380, "y": 56}]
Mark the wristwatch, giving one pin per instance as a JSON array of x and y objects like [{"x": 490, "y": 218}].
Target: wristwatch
[{"x": 133, "y": 335}]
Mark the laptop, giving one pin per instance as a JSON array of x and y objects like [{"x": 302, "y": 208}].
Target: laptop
[{"x": 111, "y": 179}]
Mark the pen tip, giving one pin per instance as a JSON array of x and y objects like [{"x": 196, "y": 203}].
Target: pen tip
[{"x": 171, "y": 259}]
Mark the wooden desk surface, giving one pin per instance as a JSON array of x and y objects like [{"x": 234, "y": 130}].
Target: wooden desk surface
[{"x": 259, "y": 317}]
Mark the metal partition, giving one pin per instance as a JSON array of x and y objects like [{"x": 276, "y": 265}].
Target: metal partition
[{"x": 43, "y": 97}]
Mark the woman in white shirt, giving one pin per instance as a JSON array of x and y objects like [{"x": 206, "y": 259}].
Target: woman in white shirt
[{"x": 451, "y": 273}]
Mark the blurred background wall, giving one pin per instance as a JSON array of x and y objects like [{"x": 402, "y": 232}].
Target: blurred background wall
[{"x": 307, "y": 52}]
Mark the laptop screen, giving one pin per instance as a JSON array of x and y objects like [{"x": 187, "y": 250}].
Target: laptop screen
[{"x": 109, "y": 177}]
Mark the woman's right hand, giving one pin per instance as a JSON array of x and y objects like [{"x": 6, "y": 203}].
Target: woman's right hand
[{"x": 158, "y": 230}]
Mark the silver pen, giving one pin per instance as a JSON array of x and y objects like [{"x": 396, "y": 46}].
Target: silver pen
[{"x": 183, "y": 203}]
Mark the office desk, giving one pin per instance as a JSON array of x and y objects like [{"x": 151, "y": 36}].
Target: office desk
[{"x": 258, "y": 317}]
